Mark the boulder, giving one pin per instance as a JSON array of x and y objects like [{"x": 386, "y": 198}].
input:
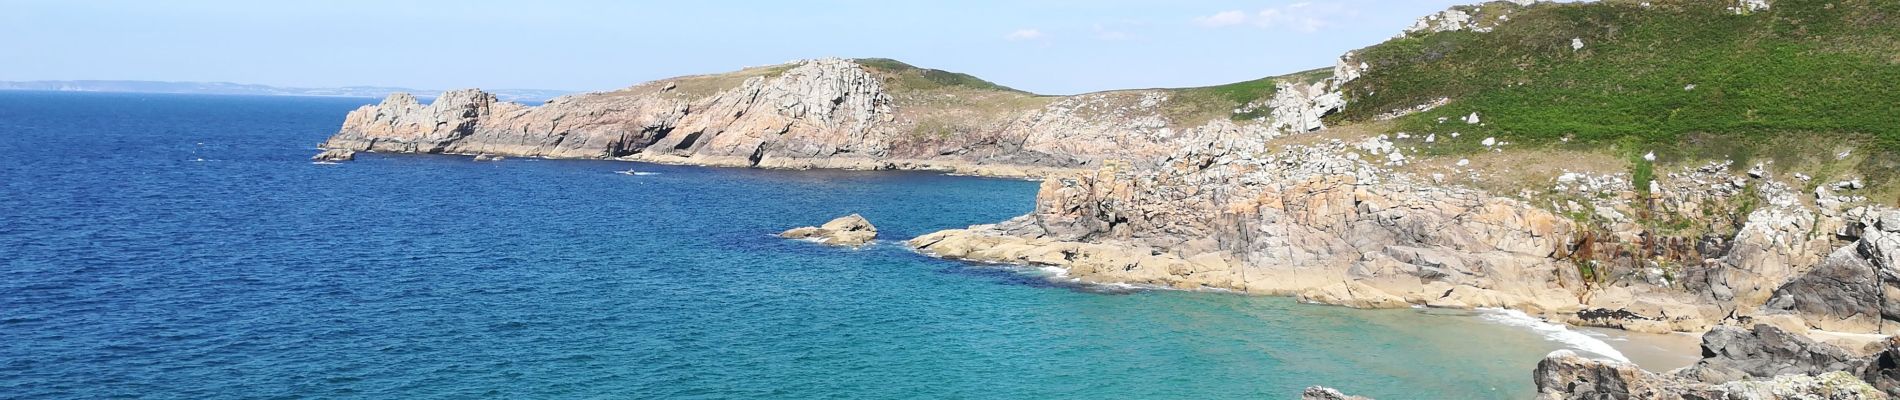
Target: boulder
[
  {"x": 334, "y": 155},
  {"x": 850, "y": 230},
  {"x": 1565, "y": 375}
]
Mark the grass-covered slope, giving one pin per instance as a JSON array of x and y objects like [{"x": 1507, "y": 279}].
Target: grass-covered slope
[
  {"x": 902, "y": 76},
  {"x": 1202, "y": 103},
  {"x": 1668, "y": 75}
]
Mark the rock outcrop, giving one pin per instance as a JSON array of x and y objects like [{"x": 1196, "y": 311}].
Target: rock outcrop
[
  {"x": 1303, "y": 220},
  {"x": 1764, "y": 362},
  {"x": 1731, "y": 353},
  {"x": 850, "y": 230},
  {"x": 334, "y": 155},
  {"x": 1565, "y": 376},
  {"x": 1475, "y": 18}
]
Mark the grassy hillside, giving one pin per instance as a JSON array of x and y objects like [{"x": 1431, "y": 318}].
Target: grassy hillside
[
  {"x": 1689, "y": 78},
  {"x": 910, "y": 77}
]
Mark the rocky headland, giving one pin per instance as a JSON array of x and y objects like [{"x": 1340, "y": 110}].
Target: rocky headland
[
  {"x": 1382, "y": 182},
  {"x": 827, "y": 113}
]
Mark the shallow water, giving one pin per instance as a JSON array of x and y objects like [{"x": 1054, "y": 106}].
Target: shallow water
[{"x": 170, "y": 246}]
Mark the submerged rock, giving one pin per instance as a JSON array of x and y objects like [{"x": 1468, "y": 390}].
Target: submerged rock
[
  {"x": 850, "y": 230},
  {"x": 334, "y": 155},
  {"x": 1326, "y": 393}
]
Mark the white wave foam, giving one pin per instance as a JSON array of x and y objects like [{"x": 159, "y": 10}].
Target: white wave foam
[
  {"x": 1554, "y": 332},
  {"x": 1056, "y": 272}
]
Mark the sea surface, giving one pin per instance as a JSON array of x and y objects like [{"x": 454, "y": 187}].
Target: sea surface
[{"x": 183, "y": 247}]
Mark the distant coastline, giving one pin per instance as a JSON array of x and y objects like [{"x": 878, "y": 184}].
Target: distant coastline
[{"x": 227, "y": 88}]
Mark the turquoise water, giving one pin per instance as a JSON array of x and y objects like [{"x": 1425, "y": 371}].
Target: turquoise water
[{"x": 164, "y": 246}]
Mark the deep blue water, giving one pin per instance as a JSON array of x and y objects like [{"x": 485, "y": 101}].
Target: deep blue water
[{"x": 170, "y": 246}]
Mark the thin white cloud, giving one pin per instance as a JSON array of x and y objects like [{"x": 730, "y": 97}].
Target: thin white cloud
[
  {"x": 1223, "y": 18},
  {"x": 1024, "y": 34},
  {"x": 1118, "y": 30},
  {"x": 1303, "y": 17}
]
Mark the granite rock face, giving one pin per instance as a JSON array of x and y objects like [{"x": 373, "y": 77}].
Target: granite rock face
[
  {"x": 1857, "y": 287},
  {"x": 850, "y": 230}
]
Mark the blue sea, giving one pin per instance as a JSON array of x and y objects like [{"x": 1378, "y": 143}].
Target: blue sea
[{"x": 183, "y": 247}]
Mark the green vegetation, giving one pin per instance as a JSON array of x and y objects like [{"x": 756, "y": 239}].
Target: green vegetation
[
  {"x": 906, "y": 76},
  {"x": 1642, "y": 173},
  {"x": 1674, "y": 77},
  {"x": 706, "y": 85},
  {"x": 1201, "y": 103}
]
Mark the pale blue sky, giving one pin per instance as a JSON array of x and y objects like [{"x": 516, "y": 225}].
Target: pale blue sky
[{"x": 1045, "y": 46}]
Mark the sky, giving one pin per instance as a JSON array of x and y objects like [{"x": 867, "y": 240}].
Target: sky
[{"x": 1043, "y": 46}]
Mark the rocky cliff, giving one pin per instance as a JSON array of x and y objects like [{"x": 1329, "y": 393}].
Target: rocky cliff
[{"x": 825, "y": 113}]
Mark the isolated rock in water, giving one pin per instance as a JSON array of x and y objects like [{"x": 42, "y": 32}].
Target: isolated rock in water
[
  {"x": 334, "y": 155},
  {"x": 851, "y": 230},
  {"x": 488, "y": 157},
  {"x": 1326, "y": 393}
]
